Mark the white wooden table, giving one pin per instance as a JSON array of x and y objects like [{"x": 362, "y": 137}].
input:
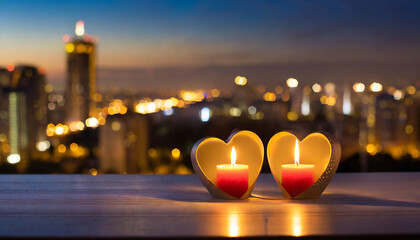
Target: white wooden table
[{"x": 141, "y": 206}]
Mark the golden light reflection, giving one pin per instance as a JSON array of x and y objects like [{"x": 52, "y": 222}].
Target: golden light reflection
[
  {"x": 233, "y": 225},
  {"x": 296, "y": 221},
  {"x": 234, "y": 228}
]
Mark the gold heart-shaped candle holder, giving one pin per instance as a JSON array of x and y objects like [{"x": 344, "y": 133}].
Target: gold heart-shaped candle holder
[
  {"x": 318, "y": 158},
  {"x": 211, "y": 159}
]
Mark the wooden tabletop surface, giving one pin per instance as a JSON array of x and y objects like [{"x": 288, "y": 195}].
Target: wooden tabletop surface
[{"x": 66, "y": 206}]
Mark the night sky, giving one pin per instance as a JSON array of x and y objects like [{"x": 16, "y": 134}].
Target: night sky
[{"x": 172, "y": 44}]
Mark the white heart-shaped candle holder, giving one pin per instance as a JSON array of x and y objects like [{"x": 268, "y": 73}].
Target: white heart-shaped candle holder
[
  {"x": 211, "y": 159},
  {"x": 318, "y": 158}
]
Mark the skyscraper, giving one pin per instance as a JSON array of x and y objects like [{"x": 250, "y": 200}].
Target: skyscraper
[
  {"x": 81, "y": 75},
  {"x": 23, "y": 113},
  {"x": 5, "y": 78}
]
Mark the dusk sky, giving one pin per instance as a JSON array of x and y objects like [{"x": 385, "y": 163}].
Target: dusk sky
[{"x": 173, "y": 44}]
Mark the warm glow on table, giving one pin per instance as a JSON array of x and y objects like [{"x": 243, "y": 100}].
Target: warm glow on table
[
  {"x": 357, "y": 206},
  {"x": 296, "y": 221},
  {"x": 296, "y": 178},
  {"x": 233, "y": 227},
  {"x": 233, "y": 178}
]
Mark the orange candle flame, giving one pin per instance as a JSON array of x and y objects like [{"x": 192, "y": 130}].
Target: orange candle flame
[{"x": 233, "y": 156}]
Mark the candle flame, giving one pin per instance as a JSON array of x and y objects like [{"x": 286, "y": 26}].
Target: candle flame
[
  {"x": 297, "y": 153},
  {"x": 233, "y": 156}
]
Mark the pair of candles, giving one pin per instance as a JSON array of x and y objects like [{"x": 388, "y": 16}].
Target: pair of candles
[{"x": 296, "y": 178}]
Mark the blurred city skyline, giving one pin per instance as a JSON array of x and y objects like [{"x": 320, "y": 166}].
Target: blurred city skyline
[
  {"x": 192, "y": 44},
  {"x": 129, "y": 86}
]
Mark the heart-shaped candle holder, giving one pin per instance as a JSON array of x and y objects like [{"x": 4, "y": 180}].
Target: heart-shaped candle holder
[
  {"x": 209, "y": 155},
  {"x": 319, "y": 156}
]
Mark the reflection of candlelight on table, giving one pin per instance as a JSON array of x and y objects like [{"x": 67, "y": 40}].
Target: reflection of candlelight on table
[
  {"x": 296, "y": 178},
  {"x": 296, "y": 221},
  {"x": 233, "y": 178},
  {"x": 233, "y": 225}
]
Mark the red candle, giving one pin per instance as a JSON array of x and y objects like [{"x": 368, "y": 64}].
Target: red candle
[
  {"x": 233, "y": 178},
  {"x": 296, "y": 178}
]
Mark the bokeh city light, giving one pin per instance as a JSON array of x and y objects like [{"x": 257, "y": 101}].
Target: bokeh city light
[{"x": 136, "y": 99}]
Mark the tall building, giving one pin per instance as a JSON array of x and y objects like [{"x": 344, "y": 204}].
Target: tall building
[
  {"x": 81, "y": 75},
  {"x": 23, "y": 113},
  {"x": 5, "y": 78},
  {"x": 31, "y": 85}
]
